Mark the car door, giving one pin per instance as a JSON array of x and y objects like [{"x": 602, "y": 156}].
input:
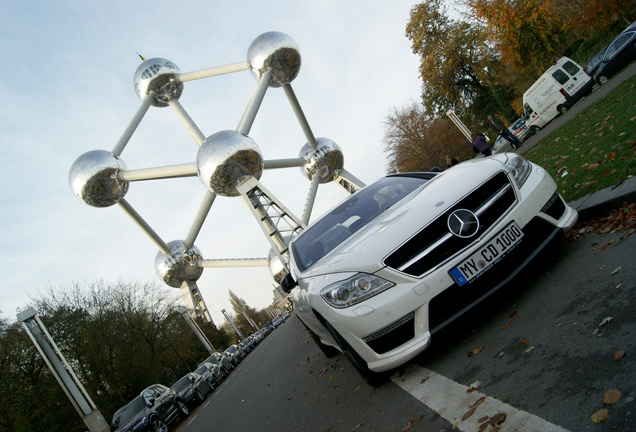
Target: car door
[{"x": 617, "y": 55}]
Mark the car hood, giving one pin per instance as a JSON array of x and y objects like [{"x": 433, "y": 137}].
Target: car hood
[{"x": 365, "y": 249}]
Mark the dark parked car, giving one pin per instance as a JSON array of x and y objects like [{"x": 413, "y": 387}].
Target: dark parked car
[
  {"x": 620, "y": 53},
  {"x": 211, "y": 372},
  {"x": 220, "y": 359},
  {"x": 192, "y": 389},
  {"x": 155, "y": 408},
  {"x": 594, "y": 62}
]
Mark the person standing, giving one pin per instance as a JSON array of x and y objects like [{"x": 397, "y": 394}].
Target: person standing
[
  {"x": 479, "y": 143},
  {"x": 497, "y": 125}
]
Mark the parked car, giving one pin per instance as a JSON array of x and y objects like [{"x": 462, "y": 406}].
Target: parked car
[
  {"x": 502, "y": 145},
  {"x": 277, "y": 321},
  {"x": 620, "y": 53},
  {"x": 594, "y": 62},
  {"x": 393, "y": 264},
  {"x": 153, "y": 410},
  {"x": 211, "y": 373},
  {"x": 232, "y": 356},
  {"x": 521, "y": 130},
  {"x": 234, "y": 351},
  {"x": 192, "y": 389},
  {"x": 224, "y": 362}
]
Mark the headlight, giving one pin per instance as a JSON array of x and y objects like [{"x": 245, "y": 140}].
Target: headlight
[
  {"x": 519, "y": 168},
  {"x": 354, "y": 290}
]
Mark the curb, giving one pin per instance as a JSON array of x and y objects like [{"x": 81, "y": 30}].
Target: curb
[{"x": 602, "y": 202}]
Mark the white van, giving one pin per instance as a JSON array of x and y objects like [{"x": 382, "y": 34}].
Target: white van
[{"x": 560, "y": 87}]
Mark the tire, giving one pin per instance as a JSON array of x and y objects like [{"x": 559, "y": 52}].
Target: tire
[
  {"x": 535, "y": 129},
  {"x": 158, "y": 425},
  {"x": 373, "y": 379},
  {"x": 327, "y": 350},
  {"x": 182, "y": 407},
  {"x": 562, "y": 109},
  {"x": 602, "y": 80}
]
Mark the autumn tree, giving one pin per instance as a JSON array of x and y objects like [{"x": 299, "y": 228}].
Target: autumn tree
[
  {"x": 415, "y": 141},
  {"x": 459, "y": 68}
]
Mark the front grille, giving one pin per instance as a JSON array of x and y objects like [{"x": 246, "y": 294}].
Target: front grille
[
  {"x": 435, "y": 244},
  {"x": 455, "y": 300},
  {"x": 392, "y": 336}
]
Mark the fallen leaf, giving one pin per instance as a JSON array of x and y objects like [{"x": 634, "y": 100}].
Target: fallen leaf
[
  {"x": 454, "y": 425},
  {"x": 611, "y": 396},
  {"x": 469, "y": 413},
  {"x": 600, "y": 416},
  {"x": 513, "y": 314},
  {"x": 357, "y": 388},
  {"x": 529, "y": 349},
  {"x": 506, "y": 326},
  {"x": 483, "y": 419},
  {"x": 615, "y": 271},
  {"x": 475, "y": 351},
  {"x": 494, "y": 422},
  {"x": 619, "y": 355},
  {"x": 473, "y": 389},
  {"x": 307, "y": 362},
  {"x": 411, "y": 424},
  {"x": 525, "y": 341},
  {"x": 605, "y": 321},
  {"x": 478, "y": 401},
  {"x": 288, "y": 398}
]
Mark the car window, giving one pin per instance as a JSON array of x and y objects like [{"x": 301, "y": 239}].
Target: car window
[
  {"x": 560, "y": 76},
  {"x": 616, "y": 45},
  {"x": 571, "y": 68},
  {"x": 201, "y": 370},
  {"x": 331, "y": 230}
]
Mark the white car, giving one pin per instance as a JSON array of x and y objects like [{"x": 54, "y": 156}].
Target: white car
[{"x": 398, "y": 260}]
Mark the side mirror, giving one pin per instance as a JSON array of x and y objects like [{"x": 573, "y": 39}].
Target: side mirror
[{"x": 288, "y": 283}]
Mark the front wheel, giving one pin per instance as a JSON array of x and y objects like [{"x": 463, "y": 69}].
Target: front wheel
[
  {"x": 602, "y": 80},
  {"x": 372, "y": 378},
  {"x": 158, "y": 425}
]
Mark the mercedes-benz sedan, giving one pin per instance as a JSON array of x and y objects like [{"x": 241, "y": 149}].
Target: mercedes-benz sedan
[{"x": 400, "y": 259}]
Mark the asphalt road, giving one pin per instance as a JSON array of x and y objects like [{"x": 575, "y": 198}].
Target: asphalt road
[{"x": 543, "y": 351}]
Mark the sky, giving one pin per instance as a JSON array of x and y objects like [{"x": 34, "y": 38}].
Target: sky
[{"x": 67, "y": 82}]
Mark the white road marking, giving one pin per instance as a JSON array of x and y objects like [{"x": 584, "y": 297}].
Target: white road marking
[{"x": 452, "y": 401}]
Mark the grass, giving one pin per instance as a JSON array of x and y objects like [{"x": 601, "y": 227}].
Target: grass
[{"x": 594, "y": 150}]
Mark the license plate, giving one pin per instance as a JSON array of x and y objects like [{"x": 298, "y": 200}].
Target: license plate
[{"x": 488, "y": 255}]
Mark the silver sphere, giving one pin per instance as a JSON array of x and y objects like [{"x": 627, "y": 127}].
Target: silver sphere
[
  {"x": 226, "y": 159},
  {"x": 325, "y": 162},
  {"x": 179, "y": 264},
  {"x": 155, "y": 78},
  {"x": 93, "y": 178},
  {"x": 275, "y": 52}
]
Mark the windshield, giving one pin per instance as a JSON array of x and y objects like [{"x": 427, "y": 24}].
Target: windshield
[
  {"x": 128, "y": 412},
  {"x": 331, "y": 230}
]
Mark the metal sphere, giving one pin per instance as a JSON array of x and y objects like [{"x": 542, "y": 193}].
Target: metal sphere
[
  {"x": 179, "y": 264},
  {"x": 93, "y": 178},
  {"x": 326, "y": 161},
  {"x": 226, "y": 159},
  {"x": 155, "y": 78},
  {"x": 275, "y": 52}
]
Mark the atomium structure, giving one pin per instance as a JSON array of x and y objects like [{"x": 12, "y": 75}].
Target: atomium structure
[{"x": 229, "y": 163}]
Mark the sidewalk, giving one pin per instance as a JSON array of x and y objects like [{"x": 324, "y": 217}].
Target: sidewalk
[{"x": 599, "y": 203}]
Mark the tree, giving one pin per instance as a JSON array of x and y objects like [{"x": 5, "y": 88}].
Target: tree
[
  {"x": 457, "y": 64},
  {"x": 416, "y": 142},
  {"x": 529, "y": 34}
]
